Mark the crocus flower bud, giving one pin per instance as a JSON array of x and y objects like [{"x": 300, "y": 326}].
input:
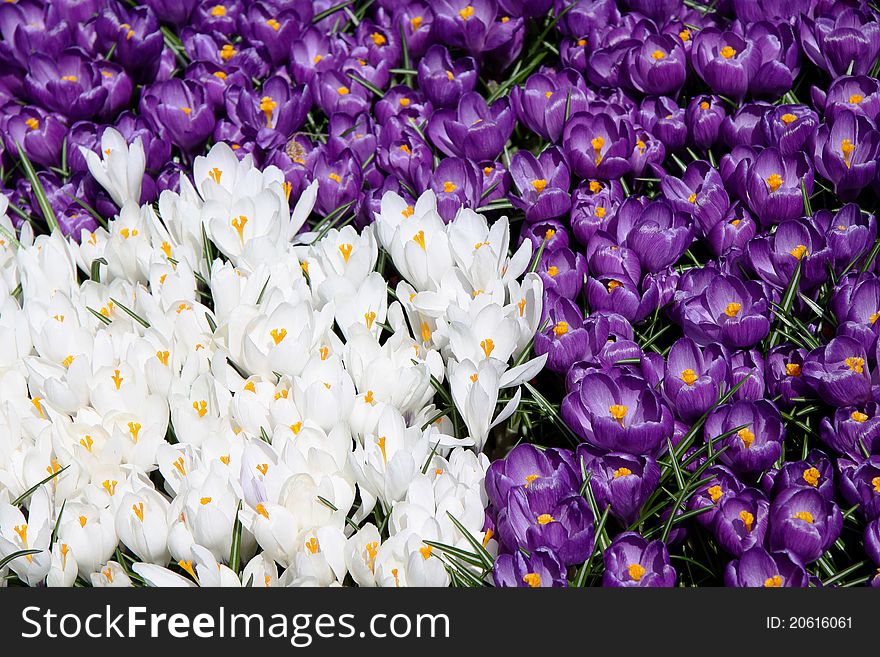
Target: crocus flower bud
[
  {"x": 542, "y": 183},
  {"x": 758, "y": 568},
  {"x": 846, "y": 153},
  {"x": 444, "y": 81},
  {"x": 475, "y": 130},
  {"x": 843, "y": 43},
  {"x": 744, "y": 126},
  {"x": 703, "y": 118},
  {"x": 41, "y": 134},
  {"x": 803, "y": 522},
  {"x": 621, "y": 481},
  {"x": 631, "y": 560},
  {"x": 547, "y": 99}
]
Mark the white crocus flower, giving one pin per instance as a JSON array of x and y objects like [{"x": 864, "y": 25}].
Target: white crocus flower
[
  {"x": 18, "y": 533},
  {"x": 90, "y": 533},
  {"x": 119, "y": 168}
]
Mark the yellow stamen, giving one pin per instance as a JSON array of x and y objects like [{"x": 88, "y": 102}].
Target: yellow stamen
[
  {"x": 267, "y": 106},
  {"x": 847, "y": 147},
  {"x": 727, "y": 52},
  {"x": 188, "y": 567},
  {"x": 806, "y": 516},
  {"x": 788, "y": 117},
  {"x": 622, "y": 472},
  {"x": 856, "y": 364},
  {"x": 369, "y": 318},
  {"x": 138, "y": 510},
  {"x": 658, "y": 55},
  {"x": 540, "y": 184},
  {"x": 239, "y": 223},
  {"x": 381, "y": 443},
  {"x": 378, "y": 39},
  {"x": 618, "y": 412},
  {"x": 774, "y": 582},
  {"x": 419, "y": 238},
  {"x": 793, "y": 369},
  {"x": 275, "y": 25},
  {"x": 227, "y": 52},
  {"x": 812, "y": 476},
  {"x": 858, "y": 416},
  {"x": 416, "y": 22},
  {"x": 560, "y": 329},
  {"x": 313, "y": 545},
  {"x": 487, "y": 346},
  {"x": 466, "y": 13},
  {"x": 532, "y": 579},
  {"x": 33, "y": 124},
  {"x": 117, "y": 380},
  {"x": 774, "y": 182},
  {"x": 598, "y": 143},
  {"x": 715, "y": 493},
  {"x": 636, "y": 571},
  {"x": 343, "y": 91},
  {"x": 262, "y": 511},
  {"x": 449, "y": 187},
  {"x": 855, "y": 99},
  {"x": 278, "y": 335},
  {"x": 732, "y": 309},
  {"x": 689, "y": 376},
  {"x": 545, "y": 519},
  {"x": 747, "y": 437},
  {"x": 134, "y": 428},
  {"x": 748, "y": 519}
]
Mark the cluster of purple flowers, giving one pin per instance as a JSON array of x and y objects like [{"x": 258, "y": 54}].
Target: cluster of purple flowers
[{"x": 694, "y": 179}]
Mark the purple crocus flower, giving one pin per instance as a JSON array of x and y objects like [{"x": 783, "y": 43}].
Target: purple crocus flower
[
  {"x": 177, "y": 108},
  {"x": 843, "y": 43},
  {"x": 693, "y": 379},
  {"x": 755, "y": 446},
  {"x": 853, "y": 430},
  {"x": 656, "y": 233},
  {"x": 547, "y": 99},
  {"x": 778, "y": 58},
  {"x": 860, "y": 484},
  {"x": 743, "y": 127},
  {"x": 872, "y": 545},
  {"x": 524, "y": 465},
  {"x": 175, "y": 12},
  {"x": 538, "y": 516},
  {"x": 782, "y": 373},
  {"x": 540, "y": 569},
  {"x": 444, "y": 81},
  {"x": 270, "y": 117},
  {"x": 311, "y": 55},
  {"x": 662, "y": 117},
  {"x": 336, "y": 92},
  {"x": 272, "y": 29},
  {"x": 725, "y": 61},
  {"x": 747, "y": 372},
  {"x": 699, "y": 192},
  {"x": 758, "y": 568},
  {"x": 815, "y": 472},
  {"x": 340, "y": 181},
  {"x": 789, "y": 127},
  {"x": 728, "y": 310},
  {"x": 846, "y": 153},
  {"x": 859, "y": 94},
  {"x": 41, "y": 134},
  {"x": 839, "y": 372},
  {"x": 849, "y": 233},
  {"x": 457, "y": 183},
  {"x": 542, "y": 183},
  {"x": 721, "y": 484},
  {"x": 403, "y": 153},
  {"x": 776, "y": 185},
  {"x": 474, "y": 131},
  {"x": 622, "y": 481},
  {"x": 136, "y": 39},
  {"x": 631, "y": 560},
  {"x": 803, "y": 522},
  {"x": 658, "y": 66},
  {"x": 856, "y": 304},
  {"x": 474, "y": 25},
  {"x": 703, "y": 118},
  {"x": 69, "y": 84},
  {"x": 563, "y": 271},
  {"x": 598, "y": 145},
  {"x": 623, "y": 415},
  {"x": 593, "y": 205},
  {"x": 741, "y": 521},
  {"x": 775, "y": 257}
]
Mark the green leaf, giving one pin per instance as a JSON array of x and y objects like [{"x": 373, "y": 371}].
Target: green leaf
[
  {"x": 140, "y": 320},
  {"x": 481, "y": 551},
  {"x": 16, "y": 555},
  {"x": 235, "y": 550},
  {"x": 37, "y": 188},
  {"x": 18, "y": 501}
]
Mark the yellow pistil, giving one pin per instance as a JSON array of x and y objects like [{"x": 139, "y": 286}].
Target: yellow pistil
[
  {"x": 267, "y": 106},
  {"x": 552, "y": 271},
  {"x": 343, "y": 91},
  {"x": 618, "y": 412},
  {"x": 812, "y": 476},
  {"x": 262, "y": 511},
  {"x": 381, "y": 443},
  {"x": 179, "y": 466},
  {"x": 847, "y": 147},
  {"x": 727, "y": 52},
  {"x": 532, "y": 579},
  {"x": 67, "y": 361},
  {"x": 188, "y": 567},
  {"x": 598, "y": 143},
  {"x": 792, "y": 369},
  {"x": 335, "y": 177},
  {"x": 117, "y": 380},
  {"x": 549, "y": 233},
  {"x": 715, "y": 493},
  {"x": 419, "y": 238},
  {"x": 806, "y": 516},
  {"x": 134, "y": 428},
  {"x": 858, "y": 416},
  {"x": 622, "y": 472},
  {"x": 278, "y": 334},
  {"x": 239, "y": 223},
  {"x": 227, "y": 52},
  {"x": 774, "y": 582},
  {"x": 263, "y": 468},
  {"x": 466, "y": 13},
  {"x": 613, "y": 285},
  {"x": 685, "y": 35},
  {"x": 218, "y": 10},
  {"x": 875, "y": 317},
  {"x": 732, "y": 309},
  {"x": 788, "y": 117},
  {"x": 855, "y": 99},
  {"x": 530, "y": 478},
  {"x": 449, "y": 187},
  {"x": 658, "y": 55},
  {"x": 487, "y": 346},
  {"x": 581, "y": 43},
  {"x": 600, "y": 212},
  {"x": 345, "y": 250},
  {"x": 426, "y": 552},
  {"x": 689, "y": 376},
  {"x": 87, "y": 442},
  {"x": 636, "y": 571},
  {"x": 275, "y": 25},
  {"x": 747, "y": 437},
  {"x": 369, "y": 318},
  {"x": 748, "y": 519},
  {"x": 522, "y": 307},
  {"x": 705, "y": 105},
  {"x": 378, "y": 39},
  {"x": 416, "y": 22},
  {"x": 540, "y": 184},
  {"x": 799, "y": 251},
  {"x": 774, "y": 182},
  {"x": 449, "y": 76},
  {"x": 82, "y": 521},
  {"x": 138, "y": 510},
  {"x": 560, "y": 329},
  {"x": 33, "y": 124},
  {"x": 426, "y": 332},
  {"x": 875, "y": 482},
  {"x": 215, "y": 174},
  {"x": 545, "y": 519},
  {"x": 692, "y": 198},
  {"x": 856, "y": 364},
  {"x": 200, "y": 407},
  {"x": 313, "y": 545},
  {"x": 595, "y": 186},
  {"x": 69, "y": 78}
]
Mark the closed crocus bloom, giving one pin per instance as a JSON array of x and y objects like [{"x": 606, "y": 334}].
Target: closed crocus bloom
[
  {"x": 444, "y": 81},
  {"x": 550, "y": 231},
  {"x": 655, "y": 232},
  {"x": 564, "y": 340},
  {"x": 741, "y": 521},
  {"x": 547, "y": 99},
  {"x": 860, "y": 484},
  {"x": 69, "y": 85},
  {"x": 703, "y": 118},
  {"x": 782, "y": 374},
  {"x": 692, "y": 380},
  {"x": 623, "y": 415},
  {"x": 475, "y": 130},
  {"x": 743, "y": 127},
  {"x": 272, "y": 116},
  {"x": 775, "y": 258},
  {"x": 178, "y": 109},
  {"x": 848, "y": 233},
  {"x": 621, "y": 481},
  {"x": 733, "y": 232},
  {"x": 846, "y": 153},
  {"x": 803, "y": 522},
  {"x": 859, "y": 94},
  {"x": 839, "y": 372},
  {"x": 757, "y": 568},
  {"x": 584, "y": 17},
  {"x": 778, "y": 56},
  {"x": 665, "y": 119},
  {"x": 816, "y": 472},
  {"x": 756, "y": 445},
  {"x": 658, "y": 66},
  {"x": 538, "y": 516},
  {"x": 842, "y": 43},
  {"x": 856, "y": 307},
  {"x": 542, "y": 183},
  {"x": 271, "y": 29},
  {"x": 524, "y": 465},
  {"x": 540, "y": 569},
  {"x": 725, "y": 61},
  {"x": 790, "y": 128},
  {"x": 631, "y": 560},
  {"x": 457, "y": 184},
  {"x": 598, "y": 146},
  {"x": 729, "y": 310},
  {"x": 776, "y": 185},
  {"x": 340, "y": 180},
  {"x": 563, "y": 272},
  {"x": 40, "y": 133},
  {"x": 171, "y": 11},
  {"x": 852, "y": 429}
]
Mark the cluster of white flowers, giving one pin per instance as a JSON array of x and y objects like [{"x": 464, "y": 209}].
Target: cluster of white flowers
[{"x": 209, "y": 383}]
